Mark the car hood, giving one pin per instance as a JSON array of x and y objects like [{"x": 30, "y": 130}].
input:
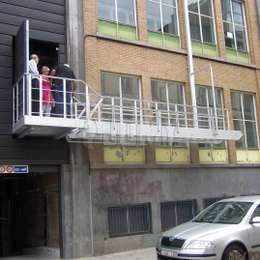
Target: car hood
[{"x": 195, "y": 230}]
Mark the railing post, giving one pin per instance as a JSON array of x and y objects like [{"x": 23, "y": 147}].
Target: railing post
[
  {"x": 64, "y": 98},
  {"x": 29, "y": 94},
  {"x": 87, "y": 102},
  {"x": 23, "y": 96},
  {"x": 135, "y": 107},
  {"x": 40, "y": 96},
  {"x": 177, "y": 116},
  {"x": 113, "y": 110},
  {"x": 121, "y": 110}
]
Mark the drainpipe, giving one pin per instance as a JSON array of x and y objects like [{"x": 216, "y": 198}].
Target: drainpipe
[{"x": 190, "y": 65}]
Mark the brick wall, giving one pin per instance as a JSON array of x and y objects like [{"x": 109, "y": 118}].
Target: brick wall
[{"x": 142, "y": 59}]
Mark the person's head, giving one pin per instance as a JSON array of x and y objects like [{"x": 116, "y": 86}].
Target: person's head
[
  {"x": 45, "y": 70},
  {"x": 35, "y": 57},
  {"x": 53, "y": 72}
]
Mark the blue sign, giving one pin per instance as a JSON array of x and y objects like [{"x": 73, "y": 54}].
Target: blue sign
[{"x": 14, "y": 169}]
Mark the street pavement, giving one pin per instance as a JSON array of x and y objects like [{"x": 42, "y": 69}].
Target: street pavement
[{"x": 143, "y": 254}]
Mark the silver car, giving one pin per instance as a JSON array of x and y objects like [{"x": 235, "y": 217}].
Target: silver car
[{"x": 228, "y": 229}]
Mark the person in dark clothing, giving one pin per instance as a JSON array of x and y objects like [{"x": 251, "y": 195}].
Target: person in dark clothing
[{"x": 64, "y": 71}]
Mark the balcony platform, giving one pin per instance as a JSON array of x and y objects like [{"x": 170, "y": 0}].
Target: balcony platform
[{"x": 90, "y": 117}]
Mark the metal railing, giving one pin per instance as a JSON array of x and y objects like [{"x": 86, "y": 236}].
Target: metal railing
[{"x": 86, "y": 105}]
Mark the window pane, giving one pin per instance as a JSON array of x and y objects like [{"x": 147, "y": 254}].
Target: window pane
[
  {"x": 229, "y": 35},
  {"x": 126, "y": 12},
  {"x": 238, "y": 125},
  {"x": 241, "y": 38},
  {"x": 251, "y": 134},
  {"x": 169, "y": 2},
  {"x": 169, "y": 20},
  {"x": 159, "y": 91},
  {"x": 249, "y": 111},
  {"x": 175, "y": 93},
  {"x": 236, "y": 105},
  {"x": 130, "y": 87},
  {"x": 208, "y": 29},
  {"x": 106, "y": 10},
  {"x": 238, "y": 12},
  {"x": 195, "y": 27},
  {"x": 205, "y": 7},
  {"x": 110, "y": 84},
  {"x": 154, "y": 17},
  {"x": 226, "y": 10},
  {"x": 193, "y": 5}
]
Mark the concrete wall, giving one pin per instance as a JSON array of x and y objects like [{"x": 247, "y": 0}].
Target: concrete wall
[{"x": 119, "y": 187}]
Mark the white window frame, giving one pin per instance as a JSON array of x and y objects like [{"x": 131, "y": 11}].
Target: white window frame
[
  {"x": 161, "y": 16},
  {"x": 200, "y": 23},
  {"x": 233, "y": 24},
  {"x": 243, "y": 120},
  {"x": 209, "y": 107}
]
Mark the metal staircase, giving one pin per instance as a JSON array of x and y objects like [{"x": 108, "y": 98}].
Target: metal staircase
[{"x": 90, "y": 117}]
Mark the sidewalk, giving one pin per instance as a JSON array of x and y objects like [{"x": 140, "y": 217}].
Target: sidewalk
[{"x": 143, "y": 254}]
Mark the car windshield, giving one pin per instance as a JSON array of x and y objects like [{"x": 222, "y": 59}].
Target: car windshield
[{"x": 229, "y": 212}]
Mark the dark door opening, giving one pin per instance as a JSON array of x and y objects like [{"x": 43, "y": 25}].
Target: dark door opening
[
  {"x": 48, "y": 53},
  {"x": 29, "y": 214}
]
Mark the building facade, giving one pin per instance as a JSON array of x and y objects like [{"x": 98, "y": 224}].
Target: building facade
[
  {"x": 95, "y": 196},
  {"x": 138, "y": 49}
]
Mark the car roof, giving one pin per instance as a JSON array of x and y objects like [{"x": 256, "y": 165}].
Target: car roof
[{"x": 247, "y": 198}]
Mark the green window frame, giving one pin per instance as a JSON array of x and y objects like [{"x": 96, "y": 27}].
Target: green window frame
[
  {"x": 235, "y": 30},
  {"x": 163, "y": 23},
  {"x": 118, "y": 18},
  {"x": 203, "y": 27}
]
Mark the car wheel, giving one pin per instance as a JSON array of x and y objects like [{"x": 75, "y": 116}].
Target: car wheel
[{"x": 235, "y": 252}]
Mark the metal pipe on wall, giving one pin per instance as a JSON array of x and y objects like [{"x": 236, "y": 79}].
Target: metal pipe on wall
[{"x": 190, "y": 64}]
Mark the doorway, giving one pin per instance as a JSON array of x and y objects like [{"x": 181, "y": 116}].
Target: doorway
[
  {"x": 29, "y": 214},
  {"x": 48, "y": 53}
]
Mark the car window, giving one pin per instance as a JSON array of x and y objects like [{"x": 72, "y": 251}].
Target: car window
[
  {"x": 230, "y": 212},
  {"x": 257, "y": 212}
]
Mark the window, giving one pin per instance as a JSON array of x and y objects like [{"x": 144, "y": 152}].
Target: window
[
  {"x": 206, "y": 107},
  {"x": 129, "y": 220},
  {"x": 177, "y": 212},
  {"x": 202, "y": 25},
  {"x": 126, "y": 90},
  {"x": 256, "y": 212},
  {"x": 169, "y": 96},
  {"x": 234, "y": 27},
  {"x": 244, "y": 119},
  {"x": 117, "y": 18},
  {"x": 162, "y": 22}
]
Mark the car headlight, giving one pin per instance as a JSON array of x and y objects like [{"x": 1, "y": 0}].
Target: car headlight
[{"x": 197, "y": 244}]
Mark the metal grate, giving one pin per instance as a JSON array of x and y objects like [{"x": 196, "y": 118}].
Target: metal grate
[
  {"x": 177, "y": 212},
  {"x": 131, "y": 219},
  {"x": 172, "y": 242}
]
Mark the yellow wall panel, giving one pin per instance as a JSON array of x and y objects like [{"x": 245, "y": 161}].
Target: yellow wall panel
[
  {"x": 113, "y": 154},
  {"x": 253, "y": 156},
  {"x": 181, "y": 155},
  {"x": 241, "y": 156},
  {"x": 205, "y": 156},
  {"x": 163, "y": 155},
  {"x": 133, "y": 154},
  {"x": 219, "y": 155}
]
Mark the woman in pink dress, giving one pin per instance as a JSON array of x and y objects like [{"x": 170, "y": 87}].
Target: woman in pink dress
[{"x": 47, "y": 98}]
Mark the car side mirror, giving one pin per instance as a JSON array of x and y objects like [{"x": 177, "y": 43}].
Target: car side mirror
[{"x": 255, "y": 220}]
